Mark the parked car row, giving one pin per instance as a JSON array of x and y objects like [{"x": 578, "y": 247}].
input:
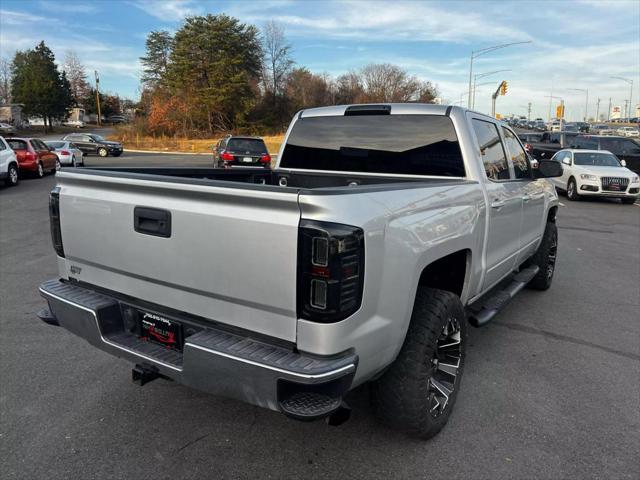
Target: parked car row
[
  {"x": 543, "y": 146},
  {"x": 28, "y": 155}
]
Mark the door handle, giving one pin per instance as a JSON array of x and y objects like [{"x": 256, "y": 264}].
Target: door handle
[
  {"x": 498, "y": 204},
  {"x": 152, "y": 221}
]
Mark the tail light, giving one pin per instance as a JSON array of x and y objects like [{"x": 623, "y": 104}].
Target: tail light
[
  {"x": 64, "y": 152},
  {"x": 330, "y": 270},
  {"x": 227, "y": 157},
  {"x": 54, "y": 219},
  {"x": 30, "y": 156},
  {"x": 265, "y": 158}
]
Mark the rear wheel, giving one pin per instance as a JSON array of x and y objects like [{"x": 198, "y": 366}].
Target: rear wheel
[
  {"x": 628, "y": 200},
  {"x": 57, "y": 166},
  {"x": 40, "y": 170},
  {"x": 418, "y": 391},
  {"x": 103, "y": 152},
  {"x": 572, "y": 190},
  {"x": 12, "y": 176}
]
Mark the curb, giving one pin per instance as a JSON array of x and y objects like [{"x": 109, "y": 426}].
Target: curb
[{"x": 165, "y": 152}]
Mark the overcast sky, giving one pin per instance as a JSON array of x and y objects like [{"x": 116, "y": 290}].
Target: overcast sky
[{"x": 575, "y": 44}]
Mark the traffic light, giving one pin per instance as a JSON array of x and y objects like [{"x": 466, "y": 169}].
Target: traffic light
[{"x": 503, "y": 88}]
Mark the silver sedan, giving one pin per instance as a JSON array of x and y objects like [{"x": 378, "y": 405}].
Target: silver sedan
[{"x": 68, "y": 153}]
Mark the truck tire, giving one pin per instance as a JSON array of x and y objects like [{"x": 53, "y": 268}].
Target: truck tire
[
  {"x": 417, "y": 392},
  {"x": 572, "y": 190},
  {"x": 545, "y": 258}
]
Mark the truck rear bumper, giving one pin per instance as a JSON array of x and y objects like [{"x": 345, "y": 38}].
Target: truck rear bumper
[{"x": 213, "y": 359}]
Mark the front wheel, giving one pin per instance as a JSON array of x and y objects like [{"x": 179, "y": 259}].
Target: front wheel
[
  {"x": 103, "y": 152},
  {"x": 572, "y": 190},
  {"x": 545, "y": 258},
  {"x": 418, "y": 391},
  {"x": 628, "y": 200}
]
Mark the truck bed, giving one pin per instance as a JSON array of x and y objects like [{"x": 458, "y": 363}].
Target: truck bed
[{"x": 221, "y": 225}]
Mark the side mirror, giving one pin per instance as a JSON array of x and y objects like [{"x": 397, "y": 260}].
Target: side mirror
[
  {"x": 548, "y": 169},
  {"x": 566, "y": 161},
  {"x": 623, "y": 163}
]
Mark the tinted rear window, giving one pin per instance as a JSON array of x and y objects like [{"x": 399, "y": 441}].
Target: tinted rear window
[
  {"x": 56, "y": 144},
  {"x": 247, "y": 145},
  {"x": 395, "y": 144},
  {"x": 17, "y": 144}
]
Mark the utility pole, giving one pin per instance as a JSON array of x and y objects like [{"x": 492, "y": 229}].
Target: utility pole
[
  {"x": 598, "y": 110},
  {"x": 529, "y": 111},
  {"x": 609, "y": 111},
  {"x": 98, "y": 96}
]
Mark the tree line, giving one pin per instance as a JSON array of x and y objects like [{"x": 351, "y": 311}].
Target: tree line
[
  {"x": 49, "y": 91},
  {"x": 217, "y": 74}
]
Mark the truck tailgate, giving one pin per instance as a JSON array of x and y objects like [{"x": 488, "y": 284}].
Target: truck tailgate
[{"x": 230, "y": 257}]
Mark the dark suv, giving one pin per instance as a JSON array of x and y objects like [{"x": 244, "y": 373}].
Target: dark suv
[
  {"x": 627, "y": 149},
  {"x": 93, "y": 143},
  {"x": 237, "y": 152}
]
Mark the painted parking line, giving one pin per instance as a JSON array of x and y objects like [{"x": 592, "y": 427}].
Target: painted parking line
[{"x": 561, "y": 204}]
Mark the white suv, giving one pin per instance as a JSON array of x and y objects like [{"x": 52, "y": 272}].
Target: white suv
[
  {"x": 8, "y": 164},
  {"x": 595, "y": 172}
]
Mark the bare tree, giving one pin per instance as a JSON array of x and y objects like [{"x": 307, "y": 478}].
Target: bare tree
[
  {"x": 77, "y": 77},
  {"x": 348, "y": 88},
  {"x": 5, "y": 81},
  {"x": 278, "y": 60},
  {"x": 390, "y": 83}
]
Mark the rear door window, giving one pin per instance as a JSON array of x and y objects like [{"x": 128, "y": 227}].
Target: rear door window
[
  {"x": 493, "y": 157},
  {"x": 385, "y": 144}
]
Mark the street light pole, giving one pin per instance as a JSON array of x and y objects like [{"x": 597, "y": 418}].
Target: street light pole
[
  {"x": 598, "y": 110},
  {"x": 630, "y": 82},
  {"x": 482, "y": 51},
  {"x": 586, "y": 105}
]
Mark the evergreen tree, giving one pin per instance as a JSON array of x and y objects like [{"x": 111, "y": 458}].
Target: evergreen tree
[
  {"x": 39, "y": 86},
  {"x": 215, "y": 66},
  {"x": 158, "y": 48}
]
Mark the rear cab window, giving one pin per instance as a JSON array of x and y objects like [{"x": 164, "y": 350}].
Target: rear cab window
[{"x": 424, "y": 145}]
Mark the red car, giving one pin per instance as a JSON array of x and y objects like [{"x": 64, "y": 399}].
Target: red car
[{"x": 34, "y": 156}]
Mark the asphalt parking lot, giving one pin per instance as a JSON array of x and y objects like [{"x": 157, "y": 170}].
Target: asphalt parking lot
[{"x": 551, "y": 387}]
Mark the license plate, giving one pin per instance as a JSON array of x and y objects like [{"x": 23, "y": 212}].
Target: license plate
[
  {"x": 247, "y": 159},
  {"x": 160, "y": 330}
]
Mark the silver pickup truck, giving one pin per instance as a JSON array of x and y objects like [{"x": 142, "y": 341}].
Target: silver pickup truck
[{"x": 382, "y": 231}]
